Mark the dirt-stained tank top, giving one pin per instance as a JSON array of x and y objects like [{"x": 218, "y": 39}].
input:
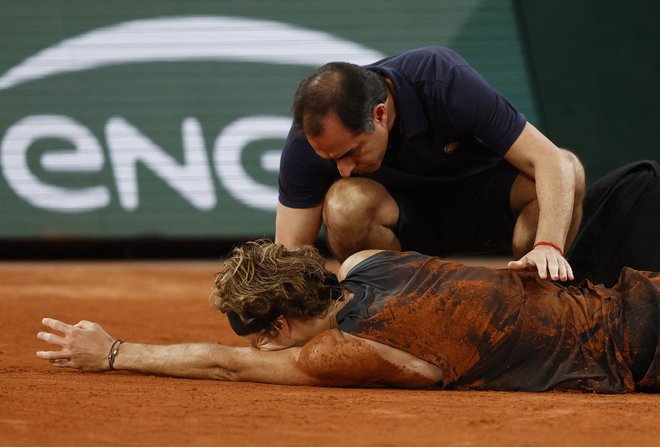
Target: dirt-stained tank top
[{"x": 492, "y": 329}]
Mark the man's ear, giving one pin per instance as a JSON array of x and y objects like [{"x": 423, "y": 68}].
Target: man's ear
[
  {"x": 380, "y": 113},
  {"x": 282, "y": 325}
]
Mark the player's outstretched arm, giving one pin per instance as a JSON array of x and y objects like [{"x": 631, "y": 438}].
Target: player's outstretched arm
[
  {"x": 86, "y": 346},
  {"x": 332, "y": 358}
]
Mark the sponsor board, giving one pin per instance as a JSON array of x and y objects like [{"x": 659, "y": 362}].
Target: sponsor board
[{"x": 162, "y": 125}]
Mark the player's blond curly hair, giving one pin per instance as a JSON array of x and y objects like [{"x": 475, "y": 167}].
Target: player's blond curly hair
[{"x": 260, "y": 276}]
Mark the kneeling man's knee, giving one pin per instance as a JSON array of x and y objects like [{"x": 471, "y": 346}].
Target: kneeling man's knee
[
  {"x": 352, "y": 200},
  {"x": 359, "y": 214}
]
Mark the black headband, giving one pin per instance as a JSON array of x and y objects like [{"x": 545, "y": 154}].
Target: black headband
[
  {"x": 260, "y": 323},
  {"x": 256, "y": 325}
]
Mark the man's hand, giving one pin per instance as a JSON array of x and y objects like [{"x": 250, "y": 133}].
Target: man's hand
[
  {"x": 85, "y": 345},
  {"x": 545, "y": 260}
]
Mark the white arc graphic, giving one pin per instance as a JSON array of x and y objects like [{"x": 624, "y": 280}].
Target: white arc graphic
[{"x": 171, "y": 39}]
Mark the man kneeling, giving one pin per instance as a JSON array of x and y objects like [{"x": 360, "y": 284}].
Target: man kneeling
[{"x": 404, "y": 320}]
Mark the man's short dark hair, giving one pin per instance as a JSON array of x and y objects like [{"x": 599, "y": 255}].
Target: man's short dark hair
[{"x": 348, "y": 89}]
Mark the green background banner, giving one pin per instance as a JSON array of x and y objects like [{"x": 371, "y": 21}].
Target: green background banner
[
  {"x": 166, "y": 118},
  {"x": 596, "y": 68}
]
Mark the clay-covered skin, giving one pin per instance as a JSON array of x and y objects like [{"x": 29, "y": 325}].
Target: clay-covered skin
[
  {"x": 339, "y": 359},
  {"x": 501, "y": 330}
]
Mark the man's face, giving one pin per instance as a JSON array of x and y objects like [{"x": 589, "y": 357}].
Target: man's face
[
  {"x": 265, "y": 343},
  {"x": 287, "y": 335},
  {"x": 361, "y": 153}
]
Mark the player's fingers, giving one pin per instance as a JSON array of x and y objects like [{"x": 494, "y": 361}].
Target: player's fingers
[
  {"x": 52, "y": 355},
  {"x": 51, "y": 338},
  {"x": 57, "y": 325}
]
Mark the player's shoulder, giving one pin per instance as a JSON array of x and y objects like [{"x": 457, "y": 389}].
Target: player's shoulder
[
  {"x": 354, "y": 260},
  {"x": 341, "y": 359},
  {"x": 338, "y": 359}
]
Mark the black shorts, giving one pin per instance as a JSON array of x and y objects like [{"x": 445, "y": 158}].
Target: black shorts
[{"x": 471, "y": 215}]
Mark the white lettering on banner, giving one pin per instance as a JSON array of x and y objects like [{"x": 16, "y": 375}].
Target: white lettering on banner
[
  {"x": 86, "y": 156},
  {"x": 161, "y": 39},
  {"x": 128, "y": 146},
  {"x": 227, "y": 158}
]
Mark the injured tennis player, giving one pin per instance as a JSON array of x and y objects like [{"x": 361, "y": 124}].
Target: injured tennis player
[{"x": 401, "y": 320}]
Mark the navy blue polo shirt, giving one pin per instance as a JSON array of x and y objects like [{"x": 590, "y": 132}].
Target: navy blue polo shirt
[{"x": 453, "y": 125}]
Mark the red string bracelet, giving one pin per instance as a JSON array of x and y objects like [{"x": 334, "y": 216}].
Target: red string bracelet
[{"x": 550, "y": 244}]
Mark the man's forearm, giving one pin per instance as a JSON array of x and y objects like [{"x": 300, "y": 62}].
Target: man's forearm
[
  {"x": 88, "y": 347},
  {"x": 555, "y": 188},
  {"x": 295, "y": 227},
  {"x": 193, "y": 360},
  {"x": 543, "y": 228},
  {"x": 554, "y": 184}
]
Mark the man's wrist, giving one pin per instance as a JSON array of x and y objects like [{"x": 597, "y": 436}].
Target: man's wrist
[
  {"x": 112, "y": 355},
  {"x": 550, "y": 244}
]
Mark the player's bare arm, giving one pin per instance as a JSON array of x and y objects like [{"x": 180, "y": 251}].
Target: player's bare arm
[
  {"x": 330, "y": 359},
  {"x": 553, "y": 179},
  {"x": 295, "y": 227},
  {"x": 86, "y": 346}
]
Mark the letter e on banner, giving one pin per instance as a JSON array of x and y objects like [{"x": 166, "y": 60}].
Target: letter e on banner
[{"x": 86, "y": 156}]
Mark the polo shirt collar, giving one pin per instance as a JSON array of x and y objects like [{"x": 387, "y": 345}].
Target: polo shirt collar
[{"x": 409, "y": 111}]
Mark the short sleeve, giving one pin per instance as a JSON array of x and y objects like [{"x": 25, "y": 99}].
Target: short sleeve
[
  {"x": 304, "y": 177},
  {"x": 479, "y": 109}
]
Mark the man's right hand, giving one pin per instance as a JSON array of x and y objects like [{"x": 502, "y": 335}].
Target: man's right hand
[
  {"x": 547, "y": 261},
  {"x": 85, "y": 345}
]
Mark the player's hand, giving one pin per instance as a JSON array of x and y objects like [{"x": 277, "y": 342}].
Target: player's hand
[
  {"x": 547, "y": 261},
  {"x": 85, "y": 345}
]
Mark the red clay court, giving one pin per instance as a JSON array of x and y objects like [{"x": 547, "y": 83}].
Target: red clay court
[{"x": 166, "y": 302}]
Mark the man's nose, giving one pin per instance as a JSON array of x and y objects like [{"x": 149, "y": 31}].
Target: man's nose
[{"x": 345, "y": 167}]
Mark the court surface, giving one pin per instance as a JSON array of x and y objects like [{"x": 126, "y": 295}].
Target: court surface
[{"x": 167, "y": 302}]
